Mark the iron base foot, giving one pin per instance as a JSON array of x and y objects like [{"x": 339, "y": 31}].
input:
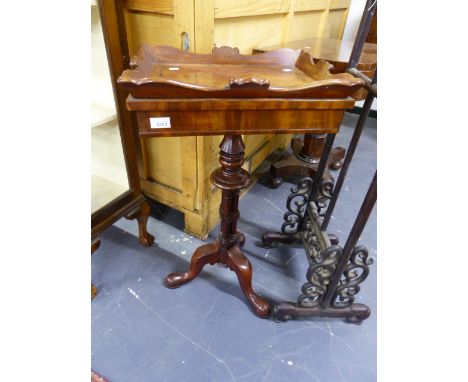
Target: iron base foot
[
  {"x": 270, "y": 238},
  {"x": 355, "y": 313}
]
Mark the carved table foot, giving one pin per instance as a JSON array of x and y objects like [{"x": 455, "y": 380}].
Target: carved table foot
[
  {"x": 240, "y": 239},
  {"x": 141, "y": 213},
  {"x": 238, "y": 262},
  {"x": 335, "y": 160},
  {"x": 274, "y": 182},
  {"x": 208, "y": 253}
]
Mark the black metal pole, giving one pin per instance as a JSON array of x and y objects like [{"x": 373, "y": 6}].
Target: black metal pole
[
  {"x": 347, "y": 161},
  {"x": 321, "y": 166},
  {"x": 366, "y": 20},
  {"x": 358, "y": 227}
]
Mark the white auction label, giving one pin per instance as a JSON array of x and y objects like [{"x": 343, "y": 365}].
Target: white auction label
[{"x": 160, "y": 122}]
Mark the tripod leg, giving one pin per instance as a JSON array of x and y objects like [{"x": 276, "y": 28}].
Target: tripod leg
[
  {"x": 208, "y": 253},
  {"x": 239, "y": 263}
]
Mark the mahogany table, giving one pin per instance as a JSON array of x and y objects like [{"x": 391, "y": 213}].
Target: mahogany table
[
  {"x": 307, "y": 153},
  {"x": 176, "y": 93}
]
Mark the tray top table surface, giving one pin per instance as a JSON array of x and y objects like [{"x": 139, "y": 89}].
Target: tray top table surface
[
  {"x": 219, "y": 75},
  {"x": 164, "y": 71},
  {"x": 282, "y": 91},
  {"x": 335, "y": 51}
]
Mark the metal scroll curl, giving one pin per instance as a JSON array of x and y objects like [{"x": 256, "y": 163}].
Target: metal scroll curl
[
  {"x": 296, "y": 205},
  {"x": 318, "y": 277},
  {"x": 354, "y": 274},
  {"x": 324, "y": 194},
  {"x": 310, "y": 238}
]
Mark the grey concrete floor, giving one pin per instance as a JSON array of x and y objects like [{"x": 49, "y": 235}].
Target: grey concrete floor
[{"x": 205, "y": 331}]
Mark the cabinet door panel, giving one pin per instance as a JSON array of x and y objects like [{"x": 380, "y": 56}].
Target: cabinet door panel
[
  {"x": 148, "y": 28},
  {"x": 170, "y": 164}
]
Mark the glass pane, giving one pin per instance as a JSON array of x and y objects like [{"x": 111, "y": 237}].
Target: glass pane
[{"x": 108, "y": 172}]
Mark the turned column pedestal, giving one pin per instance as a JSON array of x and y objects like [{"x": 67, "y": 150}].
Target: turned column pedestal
[
  {"x": 226, "y": 250},
  {"x": 305, "y": 159}
]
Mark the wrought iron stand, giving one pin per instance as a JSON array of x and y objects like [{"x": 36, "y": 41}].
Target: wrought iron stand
[{"x": 335, "y": 273}]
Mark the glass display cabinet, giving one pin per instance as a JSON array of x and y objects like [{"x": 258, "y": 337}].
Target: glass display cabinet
[
  {"x": 115, "y": 186},
  {"x": 108, "y": 172}
]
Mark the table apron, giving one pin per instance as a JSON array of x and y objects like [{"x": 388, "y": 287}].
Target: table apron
[{"x": 217, "y": 122}]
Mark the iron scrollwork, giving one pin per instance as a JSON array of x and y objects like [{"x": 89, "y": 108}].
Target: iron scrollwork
[
  {"x": 296, "y": 205},
  {"x": 354, "y": 274},
  {"x": 324, "y": 194},
  {"x": 324, "y": 258},
  {"x": 310, "y": 238},
  {"x": 304, "y": 220},
  {"x": 318, "y": 277}
]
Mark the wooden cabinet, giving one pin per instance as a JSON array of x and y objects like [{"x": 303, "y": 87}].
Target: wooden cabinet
[
  {"x": 198, "y": 25},
  {"x": 115, "y": 183}
]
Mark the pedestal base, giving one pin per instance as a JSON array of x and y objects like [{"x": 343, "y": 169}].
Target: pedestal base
[
  {"x": 302, "y": 165},
  {"x": 232, "y": 258},
  {"x": 230, "y": 178}
]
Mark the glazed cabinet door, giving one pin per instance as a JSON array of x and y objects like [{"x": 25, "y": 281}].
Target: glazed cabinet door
[{"x": 109, "y": 178}]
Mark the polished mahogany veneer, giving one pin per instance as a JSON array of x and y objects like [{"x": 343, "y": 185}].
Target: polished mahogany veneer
[{"x": 164, "y": 71}]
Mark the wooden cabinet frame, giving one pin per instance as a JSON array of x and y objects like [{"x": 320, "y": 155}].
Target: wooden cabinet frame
[{"x": 131, "y": 203}]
